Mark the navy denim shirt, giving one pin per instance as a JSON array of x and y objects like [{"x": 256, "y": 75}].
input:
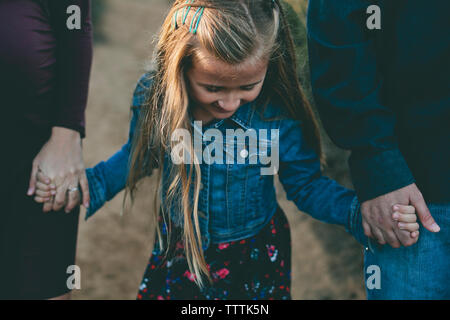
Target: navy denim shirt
[
  {"x": 236, "y": 200},
  {"x": 385, "y": 94}
]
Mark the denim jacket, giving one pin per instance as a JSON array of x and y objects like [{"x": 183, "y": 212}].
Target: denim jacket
[{"x": 236, "y": 200}]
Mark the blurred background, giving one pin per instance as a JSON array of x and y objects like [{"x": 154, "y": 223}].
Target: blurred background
[{"x": 113, "y": 250}]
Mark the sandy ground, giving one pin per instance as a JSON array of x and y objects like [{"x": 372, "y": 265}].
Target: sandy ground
[{"x": 113, "y": 250}]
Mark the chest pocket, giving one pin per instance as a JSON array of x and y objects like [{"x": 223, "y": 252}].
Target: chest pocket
[{"x": 244, "y": 182}]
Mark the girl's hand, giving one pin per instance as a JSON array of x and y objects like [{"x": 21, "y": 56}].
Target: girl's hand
[
  {"x": 45, "y": 190},
  {"x": 406, "y": 219}
]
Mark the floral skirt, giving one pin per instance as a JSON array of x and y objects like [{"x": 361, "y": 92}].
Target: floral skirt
[{"x": 258, "y": 267}]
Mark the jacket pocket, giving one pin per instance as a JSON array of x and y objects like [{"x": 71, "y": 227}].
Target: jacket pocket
[{"x": 244, "y": 191}]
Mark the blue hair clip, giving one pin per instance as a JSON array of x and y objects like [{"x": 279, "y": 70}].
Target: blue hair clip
[
  {"x": 174, "y": 20},
  {"x": 197, "y": 19},
  {"x": 187, "y": 11}
]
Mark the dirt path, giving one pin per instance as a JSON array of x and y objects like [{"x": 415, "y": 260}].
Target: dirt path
[{"x": 113, "y": 250}]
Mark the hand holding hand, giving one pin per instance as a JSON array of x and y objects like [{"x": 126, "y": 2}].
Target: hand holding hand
[
  {"x": 61, "y": 159},
  {"x": 377, "y": 216},
  {"x": 45, "y": 190}
]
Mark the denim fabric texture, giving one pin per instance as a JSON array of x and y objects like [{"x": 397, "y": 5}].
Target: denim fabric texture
[
  {"x": 236, "y": 201},
  {"x": 418, "y": 272}
]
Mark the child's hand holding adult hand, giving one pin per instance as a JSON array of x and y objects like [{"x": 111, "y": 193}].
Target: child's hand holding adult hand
[
  {"x": 406, "y": 219},
  {"x": 45, "y": 191},
  {"x": 377, "y": 216}
]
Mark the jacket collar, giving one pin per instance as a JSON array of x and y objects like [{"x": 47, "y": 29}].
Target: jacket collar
[{"x": 241, "y": 117}]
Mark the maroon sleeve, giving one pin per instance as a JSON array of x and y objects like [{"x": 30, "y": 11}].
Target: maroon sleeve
[{"x": 74, "y": 58}]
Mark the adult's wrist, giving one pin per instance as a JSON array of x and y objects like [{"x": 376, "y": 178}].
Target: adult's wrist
[
  {"x": 65, "y": 134},
  {"x": 379, "y": 173}
]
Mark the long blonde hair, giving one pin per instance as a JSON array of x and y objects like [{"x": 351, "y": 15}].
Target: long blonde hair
[{"x": 232, "y": 31}]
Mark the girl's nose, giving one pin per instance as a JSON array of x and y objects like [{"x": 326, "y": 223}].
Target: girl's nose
[{"x": 229, "y": 104}]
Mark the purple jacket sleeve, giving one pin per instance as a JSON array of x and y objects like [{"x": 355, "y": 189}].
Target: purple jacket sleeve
[{"x": 74, "y": 58}]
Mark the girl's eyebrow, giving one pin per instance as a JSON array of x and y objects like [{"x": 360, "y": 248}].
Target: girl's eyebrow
[{"x": 212, "y": 85}]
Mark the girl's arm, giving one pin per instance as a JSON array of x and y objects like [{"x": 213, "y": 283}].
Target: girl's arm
[
  {"x": 109, "y": 177},
  {"x": 321, "y": 197}
]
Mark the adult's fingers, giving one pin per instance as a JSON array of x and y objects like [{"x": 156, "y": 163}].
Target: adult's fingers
[
  {"x": 423, "y": 213},
  {"x": 60, "y": 198},
  {"x": 378, "y": 234},
  {"x": 85, "y": 188},
  {"x": 391, "y": 238},
  {"x": 74, "y": 200},
  {"x": 367, "y": 229},
  {"x": 32, "y": 183}
]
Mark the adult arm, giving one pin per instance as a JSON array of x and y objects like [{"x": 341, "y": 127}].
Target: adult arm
[
  {"x": 61, "y": 157},
  {"x": 74, "y": 58},
  {"x": 347, "y": 85}
]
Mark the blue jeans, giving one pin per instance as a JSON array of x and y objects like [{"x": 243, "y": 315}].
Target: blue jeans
[{"x": 421, "y": 271}]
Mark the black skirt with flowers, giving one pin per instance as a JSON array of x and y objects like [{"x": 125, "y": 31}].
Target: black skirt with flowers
[{"x": 258, "y": 267}]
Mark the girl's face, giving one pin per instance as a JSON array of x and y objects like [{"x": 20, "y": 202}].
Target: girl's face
[{"x": 218, "y": 89}]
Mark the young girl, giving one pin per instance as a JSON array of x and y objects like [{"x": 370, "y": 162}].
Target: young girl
[{"x": 224, "y": 68}]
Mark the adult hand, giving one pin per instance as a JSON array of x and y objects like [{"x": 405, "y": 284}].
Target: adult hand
[
  {"x": 45, "y": 191},
  {"x": 377, "y": 213},
  {"x": 61, "y": 160}
]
